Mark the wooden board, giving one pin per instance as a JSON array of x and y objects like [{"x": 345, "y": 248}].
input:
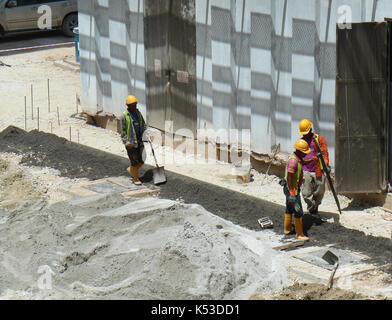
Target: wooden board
[{"x": 290, "y": 245}]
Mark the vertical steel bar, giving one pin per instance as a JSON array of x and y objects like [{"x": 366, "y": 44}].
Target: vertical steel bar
[
  {"x": 48, "y": 95},
  {"x": 32, "y": 103},
  {"x": 25, "y": 115}
]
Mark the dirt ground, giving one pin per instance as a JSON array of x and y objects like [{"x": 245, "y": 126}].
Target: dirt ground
[
  {"x": 309, "y": 291},
  {"x": 40, "y": 165}
]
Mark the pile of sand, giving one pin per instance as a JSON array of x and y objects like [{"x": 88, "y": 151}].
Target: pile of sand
[
  {"x": 310, "y": 291},
  {"x": 16, "y": 186}
]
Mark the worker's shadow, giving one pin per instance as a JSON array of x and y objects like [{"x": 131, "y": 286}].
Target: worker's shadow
[{"x": 309, "y": 220}]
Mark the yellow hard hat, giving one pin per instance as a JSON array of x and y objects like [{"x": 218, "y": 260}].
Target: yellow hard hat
[
  {"x": 131, "y": 100},
  {"x": 302, "y": 146},
  {"x": 305, "y": 126}
]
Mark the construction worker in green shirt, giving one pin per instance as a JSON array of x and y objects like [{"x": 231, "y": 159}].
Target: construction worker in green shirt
[
  {"x": 292, "y": 188},
  {"x": 132, "y": 128}
]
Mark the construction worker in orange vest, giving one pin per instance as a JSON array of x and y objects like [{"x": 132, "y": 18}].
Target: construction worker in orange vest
[
  {"x": 314, "y": 181},
  {"x": 292, "y": 187},
  {"x": 132, "y": 128}
]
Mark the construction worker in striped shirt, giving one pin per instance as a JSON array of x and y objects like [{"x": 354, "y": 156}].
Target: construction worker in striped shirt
[
  {"x": 292, "y": 188},
  {"x": 132, "y": 128},
  {"x": 314, "y": 180}
]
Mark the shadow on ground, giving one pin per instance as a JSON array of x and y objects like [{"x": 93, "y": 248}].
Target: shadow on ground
[
  {"x": 77, "y": 161},
  {"x": 32, "y": 39}
]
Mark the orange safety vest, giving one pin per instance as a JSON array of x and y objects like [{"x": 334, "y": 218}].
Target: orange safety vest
[{"x": 317, "y": 139}]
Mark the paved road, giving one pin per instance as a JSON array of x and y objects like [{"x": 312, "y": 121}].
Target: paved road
[{"x": 32, "y": 39}]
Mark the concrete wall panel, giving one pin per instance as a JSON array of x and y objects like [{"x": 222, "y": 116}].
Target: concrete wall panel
[{"x": 261, "y": 65}]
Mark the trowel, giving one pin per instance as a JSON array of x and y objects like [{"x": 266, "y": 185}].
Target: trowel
[
  {"x": 158, "y": 172},
  {"x": 331, "y": 258}
]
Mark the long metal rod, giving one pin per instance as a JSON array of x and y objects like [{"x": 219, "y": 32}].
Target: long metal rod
[
  {"x": 48, "y": 96},
  {"x": 32, "y": 103},
  {"x": 25, "y": 113},
  {"x": 153, "y": 153},
  {"x": 321, "y": 157}
]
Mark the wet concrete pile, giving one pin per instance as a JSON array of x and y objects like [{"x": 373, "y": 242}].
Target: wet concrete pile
[{"x": 111, "y": 247}]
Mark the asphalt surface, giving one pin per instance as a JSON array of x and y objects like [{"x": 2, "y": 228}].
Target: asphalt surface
[{"x": 32, "y": 39}]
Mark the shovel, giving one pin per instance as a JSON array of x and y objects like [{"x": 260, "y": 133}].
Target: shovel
[
  {"x": 331, "y": 259},
  {"x": 158, "y": 172}
]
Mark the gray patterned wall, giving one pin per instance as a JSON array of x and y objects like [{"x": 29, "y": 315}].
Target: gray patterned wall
[
  {"x": 262, "y": 65},
  {"x": 112, "y": 53}
]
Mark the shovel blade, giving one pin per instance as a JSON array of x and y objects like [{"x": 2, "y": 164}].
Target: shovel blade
[
  {"x": 159, "y": 175},
  {"x": 330, "y": 257}
]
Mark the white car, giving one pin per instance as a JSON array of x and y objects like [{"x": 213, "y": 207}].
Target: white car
[{"x": 25, "y": 15}]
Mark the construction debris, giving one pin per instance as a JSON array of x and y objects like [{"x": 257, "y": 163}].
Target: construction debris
[
  {"x": 265, "y": 222},
  {"x": 2, "y": 64},
  {"x": 290, "y": 245}
]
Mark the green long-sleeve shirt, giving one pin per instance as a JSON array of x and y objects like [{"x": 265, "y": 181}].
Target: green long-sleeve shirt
[{"x": 130, "y": 137}]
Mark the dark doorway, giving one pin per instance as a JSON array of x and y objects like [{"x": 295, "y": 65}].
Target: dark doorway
[{"x": 361, "y": 115}]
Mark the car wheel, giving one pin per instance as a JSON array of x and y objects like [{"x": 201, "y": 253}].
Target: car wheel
[{"x": 70, "y": 22}]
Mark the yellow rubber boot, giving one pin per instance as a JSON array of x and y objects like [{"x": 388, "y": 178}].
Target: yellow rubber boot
[
  {"x": 288, "y": 228},
  {"x": 135, "y": 176},
  {"x": 299, "y": 229}
]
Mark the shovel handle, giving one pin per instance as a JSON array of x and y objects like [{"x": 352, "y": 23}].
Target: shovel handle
[
  {"x": 153, "y": 153},
  {"x": 329, "y": 286}
]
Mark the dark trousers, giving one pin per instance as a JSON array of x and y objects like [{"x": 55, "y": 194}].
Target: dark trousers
[{"x": 135, "y": 155}]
